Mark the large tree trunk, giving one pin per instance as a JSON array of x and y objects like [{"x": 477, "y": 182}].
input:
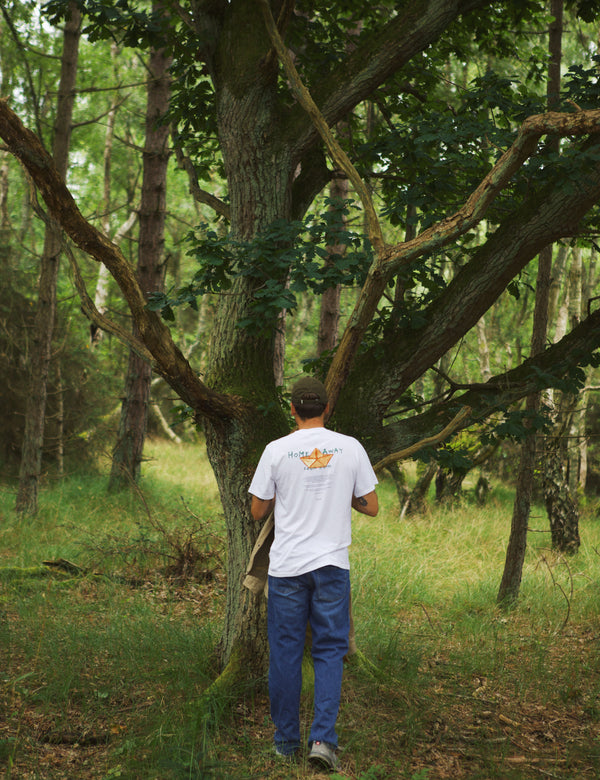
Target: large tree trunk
[
  {"x": 31, "y": 456},
  {"x": 127, "y": 454},
  {"x": 233, "y": 448},
  {"x": 240, "y": 361}
]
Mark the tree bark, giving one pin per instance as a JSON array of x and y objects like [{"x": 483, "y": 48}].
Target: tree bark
[
  {"x": 102, "y": 283},
  {"x": 582, "y": 418},
  {"x": 241, "y": 361},
  {"x": 484, "y": 351},
  {"x": 329, "y": 312},
  {"x": 339, "y": 190},
  {"x": 575, "y": 402},
  {"x": 417, "y": 503},
  {"x": 128, "y": 451},
  {"x": 562, "y": 510},
  {"x": 33, "y": 441},
  {"x": 560, "y": 502},
  {"x": 4, "y": 215},
  {"x": 517, "y": 543},
  {"x": 561, "y": 449}
]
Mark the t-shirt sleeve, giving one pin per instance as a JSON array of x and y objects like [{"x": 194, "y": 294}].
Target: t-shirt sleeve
[
  {"x": 366, "y": 479},
  {"x": 262, "y": 485}
]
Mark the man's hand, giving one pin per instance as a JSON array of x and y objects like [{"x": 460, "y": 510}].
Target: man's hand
[
  {"x": 367, "y": 505},
  {"x": 261, "y": 507}
]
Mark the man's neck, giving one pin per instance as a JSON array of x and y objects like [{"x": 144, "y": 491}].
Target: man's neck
[{"x": 311, "y": 422}]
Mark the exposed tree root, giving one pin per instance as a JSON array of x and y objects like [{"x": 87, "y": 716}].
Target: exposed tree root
[{"x": 225, "y": 688}]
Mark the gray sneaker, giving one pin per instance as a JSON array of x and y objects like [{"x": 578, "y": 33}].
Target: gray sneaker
[{"x": 323, "y": 754}]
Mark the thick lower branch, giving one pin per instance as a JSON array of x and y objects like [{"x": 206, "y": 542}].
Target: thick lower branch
[
  {"x": 545, "y": 370},
  {"x": 156, "y": 337}
]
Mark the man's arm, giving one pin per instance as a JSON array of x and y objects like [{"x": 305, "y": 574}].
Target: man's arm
[
  {"x": 368, "y": 505},
  {"x": 261, "y": 507}
]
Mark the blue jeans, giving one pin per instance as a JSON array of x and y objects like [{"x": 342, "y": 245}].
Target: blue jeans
[{"x": 321, "y": 598}]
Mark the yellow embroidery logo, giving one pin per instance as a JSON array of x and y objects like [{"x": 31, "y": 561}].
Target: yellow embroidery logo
[{"x": 316, "y": 459}]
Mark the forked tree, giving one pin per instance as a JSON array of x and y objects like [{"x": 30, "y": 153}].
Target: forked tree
[{"x": 263, "y": 90}]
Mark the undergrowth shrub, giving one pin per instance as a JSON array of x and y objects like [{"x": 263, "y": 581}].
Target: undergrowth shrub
[{"x": 181, "y": 547}]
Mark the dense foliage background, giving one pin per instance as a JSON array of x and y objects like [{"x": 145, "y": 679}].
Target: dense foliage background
[{"x": 423, "y": 142}]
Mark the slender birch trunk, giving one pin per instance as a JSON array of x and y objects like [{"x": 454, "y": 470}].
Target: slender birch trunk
[
  {"x": 31, "y": 456},
  {"x": 561, "y": 449},
  {"x": 510, "y": 583}
]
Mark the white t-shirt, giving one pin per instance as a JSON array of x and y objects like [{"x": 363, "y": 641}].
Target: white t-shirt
[{"x": 313, "y": 474}]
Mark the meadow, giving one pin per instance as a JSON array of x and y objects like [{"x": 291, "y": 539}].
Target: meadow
[{"x": 110, "y": 616}]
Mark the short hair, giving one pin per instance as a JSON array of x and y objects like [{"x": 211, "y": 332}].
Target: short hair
[{"x": 309, "y": 406}]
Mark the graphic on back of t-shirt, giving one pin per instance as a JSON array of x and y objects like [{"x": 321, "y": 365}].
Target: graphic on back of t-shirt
[{"x": 316, "y": 459}]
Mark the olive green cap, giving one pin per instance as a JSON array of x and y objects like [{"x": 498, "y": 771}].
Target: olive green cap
[{"x": 308, "y": 385}]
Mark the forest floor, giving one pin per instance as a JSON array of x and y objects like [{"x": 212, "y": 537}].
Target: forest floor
[
  {"x": 102, "y": 670},
  {"x": 454, "y": 722}
]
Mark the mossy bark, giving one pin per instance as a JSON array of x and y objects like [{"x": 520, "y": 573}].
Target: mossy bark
[{"x": 260, "y": 172}]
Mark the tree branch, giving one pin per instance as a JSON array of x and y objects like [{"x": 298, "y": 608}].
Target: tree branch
[
  {"x": 537, "y": 372},
  {"x": 368, "y": 66},
  {"x": 335, "y": 150},
  {"x": 533, "y": 128},
  {"x": 555, "y": 213},
  {"x": 92, "y": 313},
  {"x": 453, "y": 425},
  {"x": 200, "y": 195},
  {"x": 448, "y": 230},
  {"x": 377, "y": 57},
  {"x": 156, "y": 337}
]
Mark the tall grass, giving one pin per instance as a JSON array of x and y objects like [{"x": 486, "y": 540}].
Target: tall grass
[{"x": 101, "y": 673}]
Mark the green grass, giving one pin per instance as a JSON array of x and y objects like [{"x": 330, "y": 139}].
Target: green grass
[{"x": 101, "y": 674}]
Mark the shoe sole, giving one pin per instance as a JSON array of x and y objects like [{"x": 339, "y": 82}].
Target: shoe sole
[{"x": 322, "y": 762}]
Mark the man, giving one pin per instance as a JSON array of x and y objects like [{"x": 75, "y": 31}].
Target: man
[{"x": 311, "y": 478}]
